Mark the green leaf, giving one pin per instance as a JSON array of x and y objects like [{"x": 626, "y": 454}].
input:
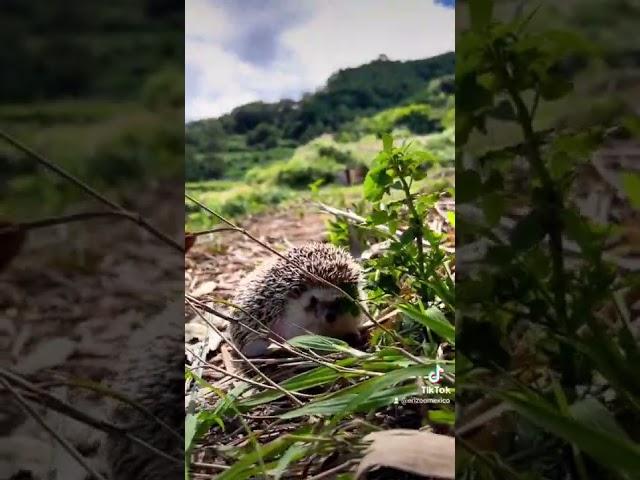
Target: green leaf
[
  {"x": 578, "y": 230},
  {"x": 325, "y": 344},
  {"x": 564, "y": 42},
  {"x": 376, "y": 182},
  {"x": 591, "y": 412},
  {"x": 480, "y": 12},
  {"x": 451, "y": 217},
  {"x": 445, "y": 417},
  {"x": 431, "y": 318},
  {"x": 493, "y": 207},
  {"x": 339, "y": 405},
  {"x": 190, "y": 429},
  {"x": 631, "y": 185},
  {"x": 243, "y": 468},
  {"x": 470, "y": 97},
  {"x": 553, "y": 88},
  {"x": 503, "y": 111},
  {"x": 423, "y": 158},
  {"x": 312, "y": 378},
  {"x": 378, "y": 217},
  {"x": 610, "y": 361},
  {"x": 294, "y": 453},
  {"x": 464, "y": 125},
  {"x": 528, "y": 232},
  {"x": 372, "y": 190},
  {"x": 632, "y": 124},
  {"x": 606, "y": 448},
  {"x": 373, "y": 393},
  {"x": 384, "y": 383},
  {"x": 468, "y": 186},
  {"x": 491, "y": 82},
  {"x": 387, "y": 142}
]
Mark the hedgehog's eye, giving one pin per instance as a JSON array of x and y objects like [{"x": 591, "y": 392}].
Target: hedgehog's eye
[
  {"x": 346, "y": 305},
  {"x": 313, "y": 303}
]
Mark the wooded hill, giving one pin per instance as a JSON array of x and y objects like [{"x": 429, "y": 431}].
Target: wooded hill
[{"x": 370, "y": 99}]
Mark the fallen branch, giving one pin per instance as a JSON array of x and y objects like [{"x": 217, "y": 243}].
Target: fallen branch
[
  {"x": 52, "y": 402},
  {"x": 71, "y": 450}
]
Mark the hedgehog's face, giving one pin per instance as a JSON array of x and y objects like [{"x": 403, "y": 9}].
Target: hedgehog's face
[
  {"x": 321, "y": 311},
  {"x": 330, "y": 313}
]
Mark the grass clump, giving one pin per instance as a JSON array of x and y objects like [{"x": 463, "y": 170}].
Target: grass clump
[{"x": 232, "y": 199}]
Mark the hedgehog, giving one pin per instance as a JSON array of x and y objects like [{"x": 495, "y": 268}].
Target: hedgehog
[
  {"x": 281, "y": 298},
  {"x": 152, "y": 375}
]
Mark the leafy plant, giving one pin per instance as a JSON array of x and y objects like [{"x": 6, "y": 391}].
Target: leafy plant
[
  {"x": 525, "y": 314},
  {"x": 414, "y": 252}
]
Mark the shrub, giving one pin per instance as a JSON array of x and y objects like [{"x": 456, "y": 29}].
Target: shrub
[
  {"x": 202, "y": 166},
  {"x": 340, "y": 156},
  {"x": 164, "y": 89},
  {"x": 264, "y": 135},
  {"x": 297, "y": 172}
]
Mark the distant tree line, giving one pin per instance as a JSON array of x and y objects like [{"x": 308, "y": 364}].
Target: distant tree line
[
  {"x": 57, "y": 49},
  {"x": 348, "y": 95}
]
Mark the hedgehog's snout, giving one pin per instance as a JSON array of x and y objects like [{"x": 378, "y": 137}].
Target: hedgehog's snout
[
  {"x": 355, "y": 339},
  {"x": 330, "y": 310}
]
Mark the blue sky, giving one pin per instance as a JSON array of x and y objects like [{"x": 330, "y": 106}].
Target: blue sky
[{"x": 239, "y": 51}]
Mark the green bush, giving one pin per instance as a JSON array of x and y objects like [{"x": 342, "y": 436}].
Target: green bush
[
  {"x": 134, "y": 148},
  {"x": 418, "y": 118},
  {"x": 232, "y": 200},
  {"x": 297, "y": 172},
  {"x": 264, "y": 136},
  {"x": 340, "y": 156},
  {"x": 202, "y": 166},
  {"x": 418, "y": 121},
  {"x": 164, "y": 89}
]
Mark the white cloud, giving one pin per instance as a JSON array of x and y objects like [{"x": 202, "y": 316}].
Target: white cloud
[
  {"x": 337, "y": 34},
  {"x": 221, "y": 81},
  {"x": 348, "y": 33},
  {"x": 205, "y": 19}
]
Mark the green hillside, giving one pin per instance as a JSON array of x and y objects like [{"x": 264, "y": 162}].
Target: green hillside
[
  {"x": 259, "y": 132},
  {"x": 263, "y": 154},
  {"x": 98, "y": 88}
]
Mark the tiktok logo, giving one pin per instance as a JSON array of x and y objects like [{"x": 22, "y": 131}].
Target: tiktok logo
[{"x": 434, "y": 377}]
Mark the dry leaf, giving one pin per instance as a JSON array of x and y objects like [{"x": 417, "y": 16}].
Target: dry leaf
[
  {"x": 195, "y": 330},
  {"x": 411, "y": 451},
  {"x": 204, "y": 288},
  {"x": 24, "y": 452},
  {"x": 47, "y": 354}
]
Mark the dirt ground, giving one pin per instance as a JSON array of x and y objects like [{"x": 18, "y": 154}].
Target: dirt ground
[{"x": 69, "y": 302}]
